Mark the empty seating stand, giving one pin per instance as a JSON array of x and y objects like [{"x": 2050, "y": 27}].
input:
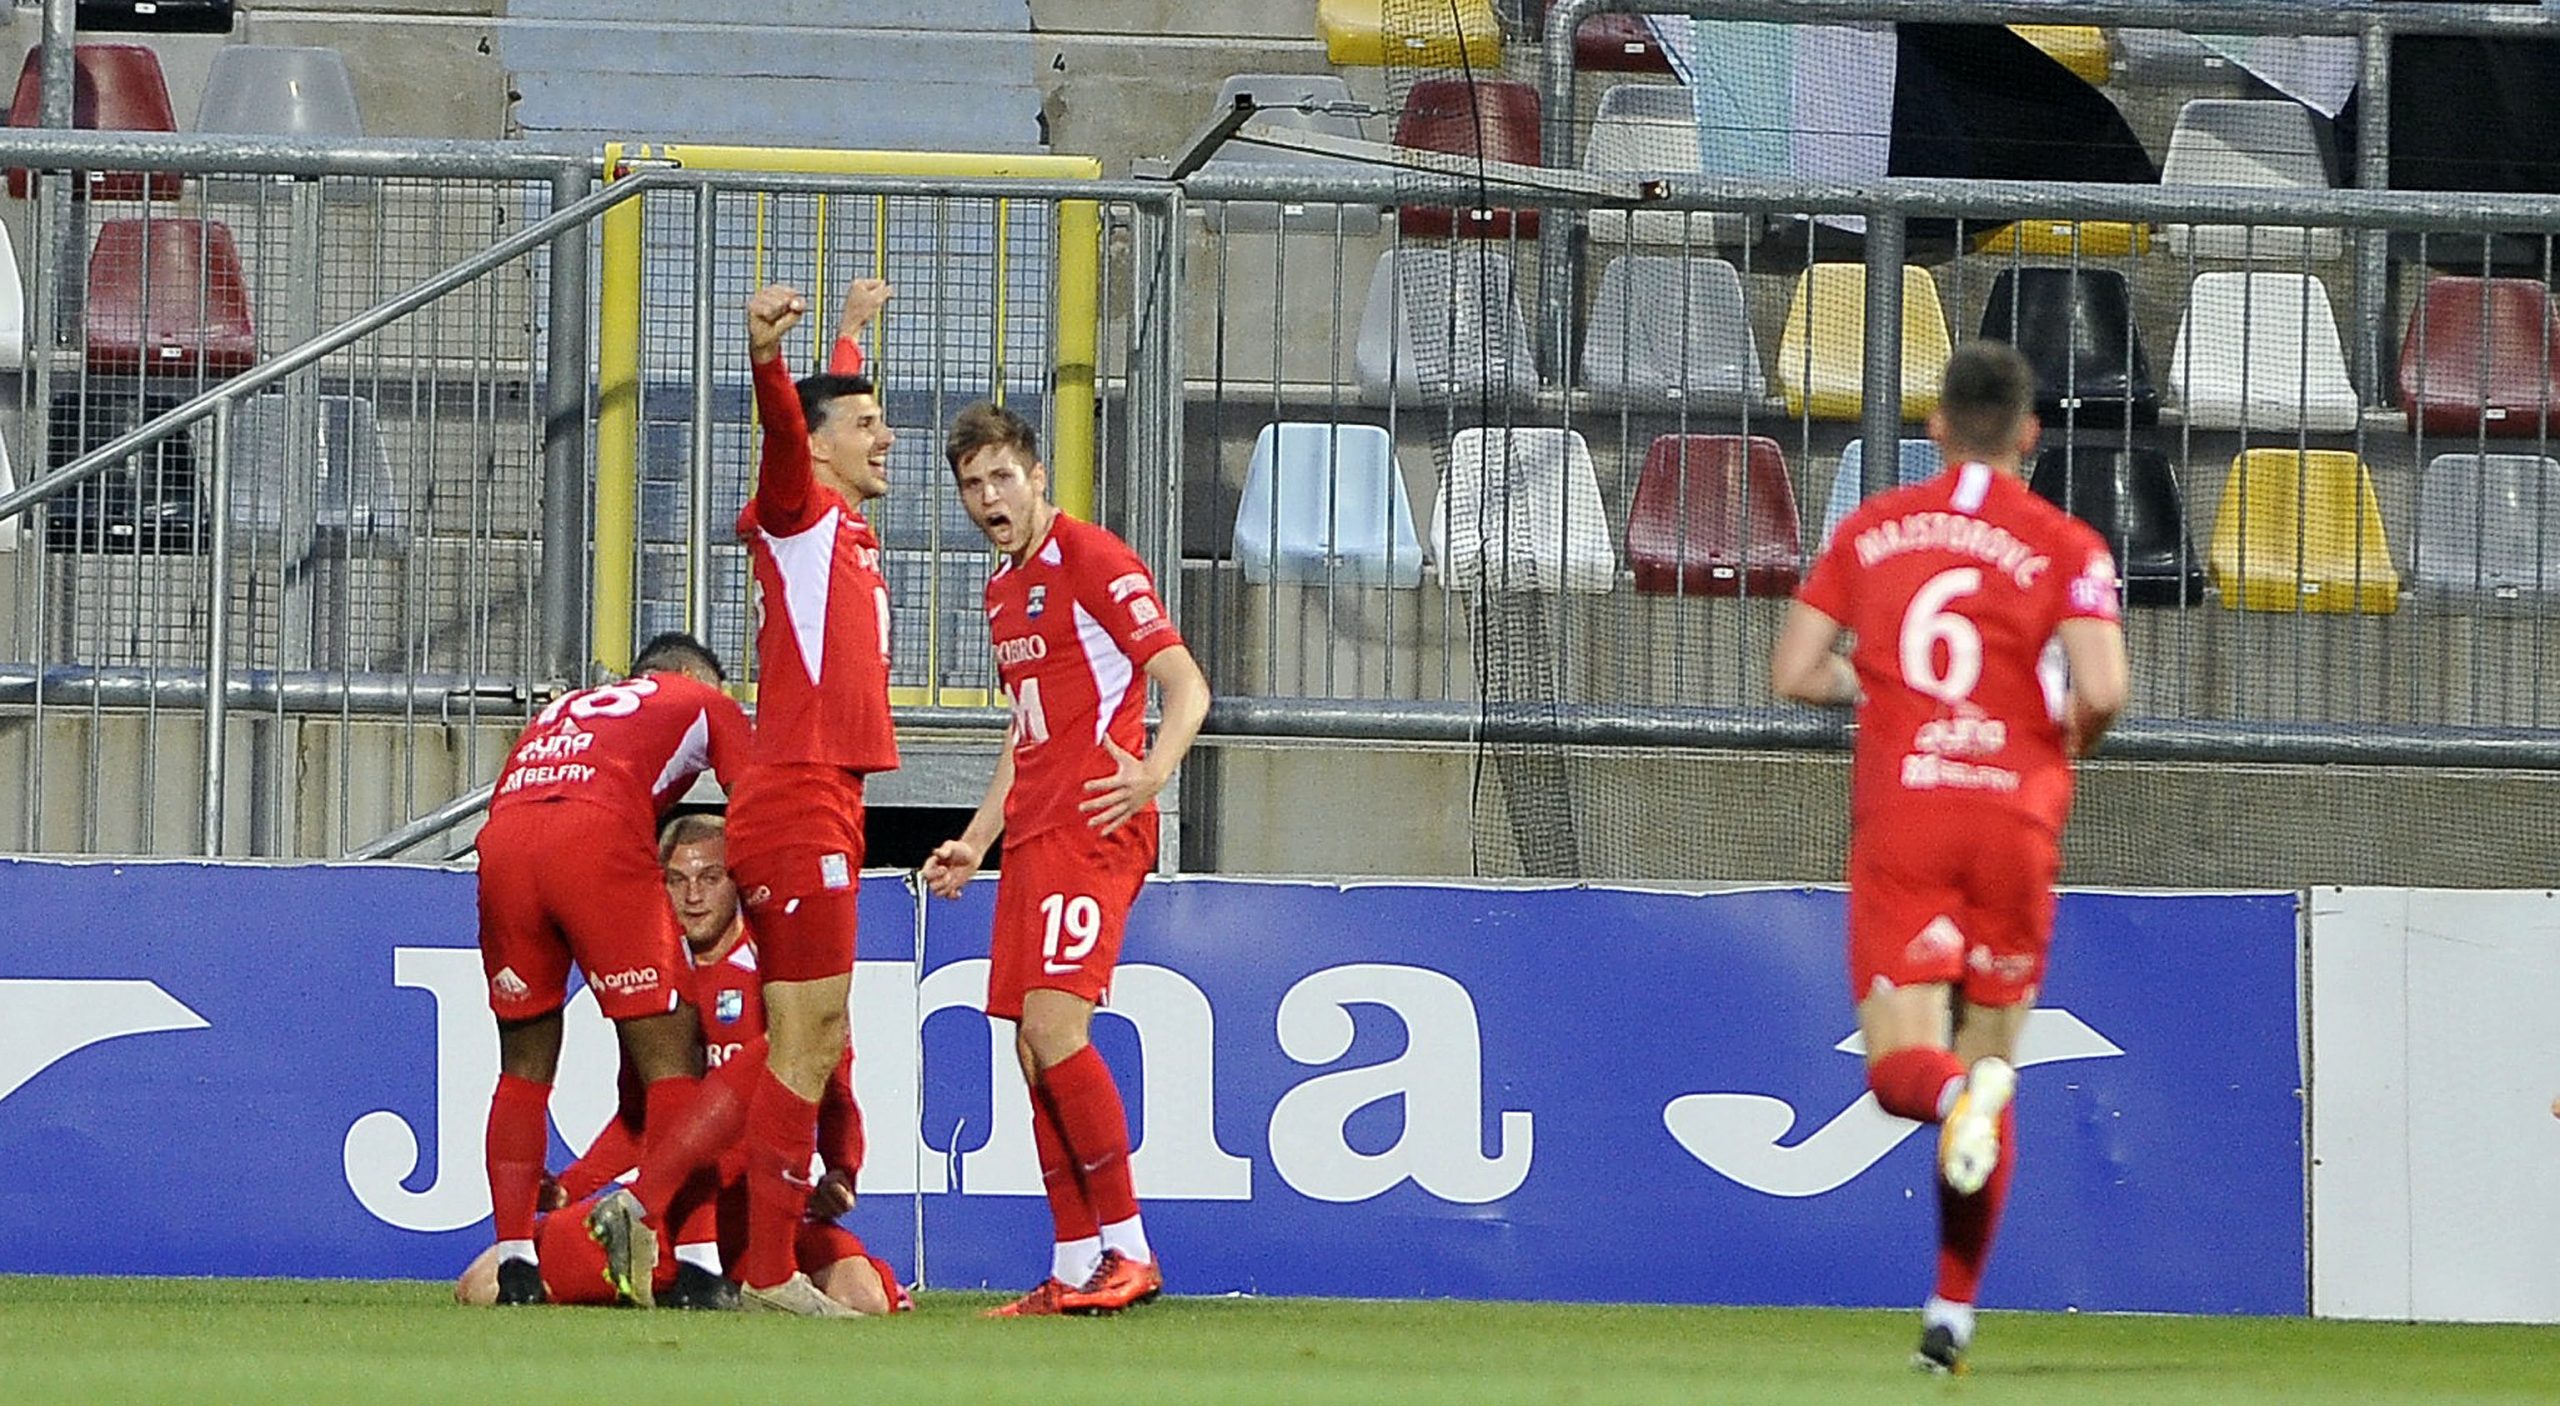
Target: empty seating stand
[
  {"x": 1492, "y": 118},
  {"x": 1448, "y": 35},
  {"x": 1714, "y": 515},
  {"x": 1289, "y": 102},
  {"x": 167, "y": 297},
  {"x": 2131, "y": 496},
  {"x": 2260, "y": 351},
  {"x": 2482, "y": 356},
  {"x": 279, "y": 90},
  {"x": 1671, "y": 332},
  {"x": 149, "y": 503},
  {"x": 1324, "y": 503},
  {"x": 114, "y": 88},
  {"x": 2085, "y": 239},
  {"x": 2301, "y": 530},
  {"x": 2256, "y": 144},
  {"x": 2489, "y": 525},
  {"x": 1444, "y": 324},
  {"x": 1651, "y": 130},
  {"x": 352, "y": 502},
  {"x": 1822, "y": 355},
  {"x": 2081, "y": 48},
  {"x": 1915, "y": 461},
  {"x": 1520, "y": 511},
  {"x": 2075, "y": 327},
  {"x": 1616, "y": 44}
]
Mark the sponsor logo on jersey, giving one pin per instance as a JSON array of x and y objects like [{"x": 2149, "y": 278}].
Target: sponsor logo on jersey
[
  {"x": 717, "y": 1055},
  {"x": 1039, "y": 602},
  {"x": 728, "y": 1006},
  {"x": 1143, "y": 611},
  {"x": 623, "y": 983},
  {"x": 1021, "y": 651},
  {"x": 569, "y": 774},
  {"x": 569, "y": 741},
  {"x": 506, "y": 983},
  {"x": 1133, "y": 584},
  {"x": 1962, "y": 737},
  {"x": 1922, "y": 772}
]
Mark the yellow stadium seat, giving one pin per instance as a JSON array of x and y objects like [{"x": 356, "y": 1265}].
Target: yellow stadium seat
[
  {"x": 1431, "y": 36},
  {"x": 2096, "y": 239},
  {"x": 2082, "y": 48},
  {"x": 1822, "y": 355},
  {"x": 2301, "y": 530}
]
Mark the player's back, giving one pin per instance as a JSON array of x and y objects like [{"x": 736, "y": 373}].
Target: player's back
[
  {"x": 1955, "y": 589},
  {"x": 634, "y": 746}
]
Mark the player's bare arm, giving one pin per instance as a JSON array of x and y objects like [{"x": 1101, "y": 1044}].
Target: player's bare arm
[
  {"x": 863, "y": 300},
  {"x": 953, "y": 863},
  {"x": 1134, "y": 781},
  {"x": 2100, "y": 681},
  {"x": 772, "y": 311},
  {"x": 1806, "y": 665}
]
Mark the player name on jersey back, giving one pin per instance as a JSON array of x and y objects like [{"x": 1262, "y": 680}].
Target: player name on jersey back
[{"x": 635, "y": 746}]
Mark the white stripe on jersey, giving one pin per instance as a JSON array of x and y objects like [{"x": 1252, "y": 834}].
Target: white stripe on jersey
[
  {"x": 807, "y": 561},
  {"x": 1973, "y": 484},
  {"x": 691, "y": 757},
  {"x": 1112, "y": 670}
]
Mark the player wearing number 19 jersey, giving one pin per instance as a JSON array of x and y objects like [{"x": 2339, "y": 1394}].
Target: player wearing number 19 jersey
[
  {"x": 1987, "y": 655},
  {"x": 1079, "y": 632}
]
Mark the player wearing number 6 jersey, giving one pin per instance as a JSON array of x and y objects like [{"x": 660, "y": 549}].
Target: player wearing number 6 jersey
[
  {"x": 795, "y": 819},
  {"x": 1960, "y": 592},
  {"x": 1078, "y": 631}
]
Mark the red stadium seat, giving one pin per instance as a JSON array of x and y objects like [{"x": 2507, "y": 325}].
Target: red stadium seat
[
  {"x": 1496, "y": 119},
  {"x": 167, "y": 298},
  {"x": 115, "y": 88},
  {"x": 1618, "y": 44},
  {"x": 1714, "y": 515},
  {"x": 2482, "y": 356}
]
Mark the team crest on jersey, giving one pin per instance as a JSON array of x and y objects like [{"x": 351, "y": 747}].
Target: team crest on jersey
[
  {"x": 728, "y": 1006},
  {"x": 1039, "y": 602}
]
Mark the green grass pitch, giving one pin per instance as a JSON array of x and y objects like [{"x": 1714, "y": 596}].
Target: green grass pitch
[{"x": 201, "y": 1341}]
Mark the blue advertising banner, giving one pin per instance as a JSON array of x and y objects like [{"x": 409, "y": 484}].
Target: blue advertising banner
[{"x": 1392, "y": 1089}]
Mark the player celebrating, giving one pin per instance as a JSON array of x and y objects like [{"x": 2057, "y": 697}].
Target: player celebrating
[
  {"x": 1074, "y": 618},
  {"x": 1956, "y": 589},
  {"x": 795, "y": 818},
  {"x": 568, "y": 872}
]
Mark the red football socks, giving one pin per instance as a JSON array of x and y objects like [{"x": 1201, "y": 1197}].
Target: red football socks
[
  {"x": 519, "y": 1134},
  {"x": 1096, "y": 1130},
  {"x": 1909, "y": 1083},
  {"x": 782, "y": 1137},
  {"x": 1966, "y": 1223},
  {"x": 1068, "y": 1210},
  {"x": 690, "y": 1123}
]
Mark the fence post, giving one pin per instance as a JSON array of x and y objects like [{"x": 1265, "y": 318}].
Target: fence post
[
  {"x": 1880, "y": 394},
  {"x": 564, "y": 576},
  {"x": 217, "y": 634},
  {"x": 2373, "y": 172}
]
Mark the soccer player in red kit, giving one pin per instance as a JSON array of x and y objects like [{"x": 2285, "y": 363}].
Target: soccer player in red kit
[
  {"x": 1968, "y": 596},
  {"x": 569, "y": 872},
  {"x": 1078, "y": 631},
  {"x": 795, "y": 818}
]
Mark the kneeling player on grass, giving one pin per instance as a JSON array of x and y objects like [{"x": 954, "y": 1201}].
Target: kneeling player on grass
[
  {"x": 1959, "y": 591},
  {"x": 573, "y": 1267},
  {"x": 1078, "y": 630}
]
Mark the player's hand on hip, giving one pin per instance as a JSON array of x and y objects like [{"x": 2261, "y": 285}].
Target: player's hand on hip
[
  {"x": 1111, "y": 800},
  {"x": 863, "y": 299},
  {"x": 772, "y": 310},
  {"x": 949, "y": 868},
  {"x": 833, "y": 1195}
]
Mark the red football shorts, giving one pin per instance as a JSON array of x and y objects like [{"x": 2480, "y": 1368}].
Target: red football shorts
[
  {"x": 795, "y": 849},
  {"x": 1062, "y": 899},
  {"x": 561, "y": 881},
  {"x": 1965, "y": 899}
]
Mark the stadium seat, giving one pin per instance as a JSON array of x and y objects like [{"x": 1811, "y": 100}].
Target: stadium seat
[
  {"x": 2086, "y": 239},
  {"x": 1520, "y": 511},
  {"x": 279, "y": 90},
  {"x": 2489, "y": 525},
  {"x": 1283, "y": 95},
  {"x": 2302, "y": 530},
  {"x": 1822, "y": 355},
  {"x": 2482, "y": 356},
  {"x": 2260, "y": 351},
  {"x": 2075, "y": 327},
  {"x": 1669, "y": 331},
  {"x": 1437, "y": 36},
  {"x": 114, "y": 88},
  {"x": 1494, "y": 118},
  {"x": 356, "y": 508},
  {"x": 1714, "y": 515},
  {"x": 2171, "y": 58},
  {"x": 146, "y": 504},
  {"x": 2131, "y": 496},
  {"x": 13, "y": 306},
  {"x": 167, "y": 297},
  {"x": 1915, "y": 461},
  {"x": 1618, "y": 44},
  {"x": 2082, "y": 48},
  {"x": 2259, "y": 144},
  {"x": 1651, "y": 129},
  {"x": 1325, "y": 502},
  {"x": 1444, "y": 324}
]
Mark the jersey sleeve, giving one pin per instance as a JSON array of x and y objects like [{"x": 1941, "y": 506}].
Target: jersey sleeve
[
  {"x": 1119, "y": 592},
  {"x": 732, "y": 738},
  {"x": 786, "y": 489},
  {"x": 846, "y": 359},
  {"x": 1826, "y": 586},
  {"x": 2089, "y": 590}
]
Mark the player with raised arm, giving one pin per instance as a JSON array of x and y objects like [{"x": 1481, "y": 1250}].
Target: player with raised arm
[
  {"x": 795, "y": 818},
  {"x": 1078, "y": 631},
  {"x": 569, "y": 873},
  {"x": 1968, "y": 596}
]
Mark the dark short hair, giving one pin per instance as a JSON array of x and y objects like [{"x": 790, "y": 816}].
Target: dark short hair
[
  {"x": 825, "y": 389},
  {"x": 692, "y": 827},
  {"x": 986, "y": 425},
  {"x": 1988, "y": 393},
  {"x": 675, "y": 651}
]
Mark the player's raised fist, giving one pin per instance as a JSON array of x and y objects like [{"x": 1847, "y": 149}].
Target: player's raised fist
[
  {"x": 772, "y": 311},
  {"x": 863, "y": 299}
]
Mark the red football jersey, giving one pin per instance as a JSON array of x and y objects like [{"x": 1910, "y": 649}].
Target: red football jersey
[
  {"x": 728, "y": 999},
  {"x": 822, "y": 609},
  {"x": 1954, "y": 588},
  {"x": 1074, "y": 626},
  {"x": 635, "y": 746}
]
